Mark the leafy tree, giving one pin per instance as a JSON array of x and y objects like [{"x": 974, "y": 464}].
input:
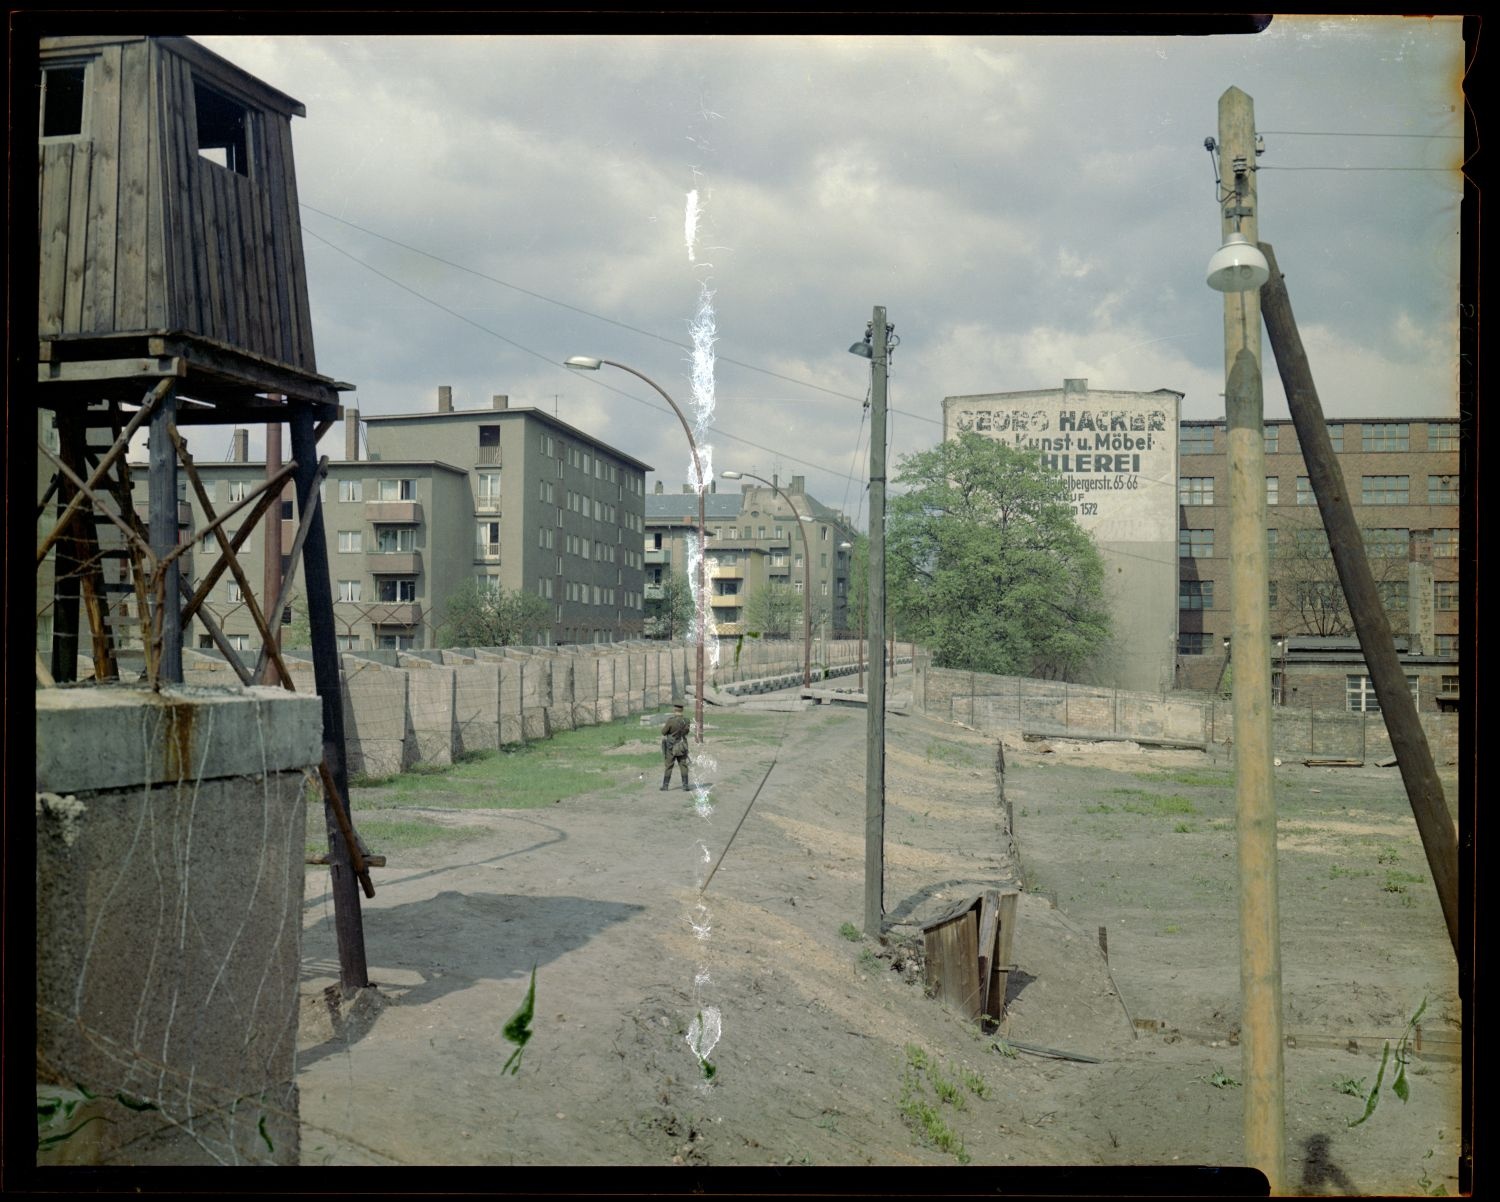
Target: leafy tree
[
  {"x": 477, "y": 617},
  {"x": 775, "y": 611},
  {"x": 297, "y": 632},
  {"x": 670, "y": 616},
  {"x": 987, "y": 565}
]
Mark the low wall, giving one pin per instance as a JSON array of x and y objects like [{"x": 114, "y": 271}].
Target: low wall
[
  {"x": 1001, "y": 703},
  {"x": 169, "y": 893}
]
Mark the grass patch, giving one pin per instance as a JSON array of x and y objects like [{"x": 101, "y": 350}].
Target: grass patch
[
  {"x": 1159, "y": 806},
  {"x": 948, "y": 753},
  {"x": 1101, "y": 808},
  {"x": 923, "y": 1115},
  {"x": 851, "y": 932},
  {"x": 1200, "y": 780},
  {"x": 387, "y": 836},
  {"x": 1396, "y": 881},
  {"x": 1183, "y": 828},
  {"x": 1336, "y": 871}
]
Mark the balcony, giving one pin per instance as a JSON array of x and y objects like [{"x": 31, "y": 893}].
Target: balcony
[
  {"x": 658, "y": 555},
  {"x": 488, "y": 457},
  {"x": 401, "y": 513},
  {"x": 655, "y": 592},
  {"x": 729, "y": 600},
  {"x": 394, "y": 563},
  {"x": 396, "y": 613},
  {"x": 733, "y": 572},
  {"x": 487, "y": 553}
]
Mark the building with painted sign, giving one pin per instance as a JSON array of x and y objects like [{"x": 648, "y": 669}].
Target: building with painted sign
[{"x": 1118, "y": 452}]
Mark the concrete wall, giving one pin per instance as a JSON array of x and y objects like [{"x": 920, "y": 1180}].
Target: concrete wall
[
  {"x": 169, "y": 893},
  {"x": 430, "y": 709},
  {"x": 1000, "y": 703}
]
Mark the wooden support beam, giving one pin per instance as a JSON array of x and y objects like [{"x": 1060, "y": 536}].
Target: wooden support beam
[
  {"x": 290, "y": 579},
  {"x": 220, "y": 641},
  {"x": 261, "y": 499},
  {"x": 110, "y": 369}
]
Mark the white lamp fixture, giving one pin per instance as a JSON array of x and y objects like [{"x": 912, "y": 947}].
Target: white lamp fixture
[{"x": 1237, "y": 266}]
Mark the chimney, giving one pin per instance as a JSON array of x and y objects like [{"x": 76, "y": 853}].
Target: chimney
[
  {"x": 240, "y": 452},
  {"x": 351, "y": 433},
  {"x": 499, "y": 401},
  {"x": 1072, "y": 387},
  {"x": 713, "y": 486},
  {"x": 445, "y": 399},
  {"x": 659, "y": 489}
]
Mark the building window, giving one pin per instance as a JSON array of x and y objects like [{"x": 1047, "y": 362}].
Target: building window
[
  {"x": 1273, "y": 487},
  {"x": 236, "y": 595},
  {"x": 1305, "y": 495},
  {"x": 1442, "y": 490},
  {"x": 398, "y": 490},
  {"x": 1360, "y": 693},
  {"x": 489, "y": 540},
  {"x": 239, "y": 490},
  {"x": 1195, "y": 490},
  {"x": 62, "y": 101},
  {"x": 211, "y": 541},
  {"x": 489, "y": 436},
  {"x": 1393, "y": 595},
  {"x": 398, "y": 590},
  {"x": 1449, "y": 683},
  {"x": 350, "y": 490},
  {"x": 546, "y": 492},
  {"x": 287, "y": 511},
  {"x": 1446, "y": 645},
  {"x": 351, "y": 542},
  {"x": 1387, "y": 543},
  {"x": 1273, "y": 540},
  {"x": 395, "y": 642},
  {"x": 349, "y": 590},
  {"x": 1197, "y": 440},
  {"x": 348, "y": 642},
  {"x": 1385, "y": 436},
  {"x": 1195, "y": 594},
  {"x": 489, "y": 489},
  {"x": 1312, "y": 544},
  {"x": 1272, "y": 595},
  {"x": 1445, "y": 596},
  {"x": 221, "y": 129},
  {"x": 1194, "y": 642},
  {"x": 1195, "y": 544},
  {"x": 1386, "y": 490},
  {"x": 1273, "y": 438},
  {"x": 1336, "y": 437},
  {"x": 390, "y": 540},
  {"x": 1444, "y": 544},
  {"x": 1442, "y": 436}
]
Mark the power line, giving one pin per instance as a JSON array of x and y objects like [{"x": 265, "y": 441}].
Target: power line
[
  {"x": 1327, "y": 133},
  {"x": 1445, "y": 170},
  {"x": 719, "y": 430},
  {"x": 573, "y": 308}
]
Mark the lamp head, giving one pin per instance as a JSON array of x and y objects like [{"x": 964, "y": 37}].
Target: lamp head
[
  {"x": 583, "y": 363},
  {"x": 732, "y": 475},
  {"x": 1237, "y": 266},
  {"x": 862, "y": 349}
]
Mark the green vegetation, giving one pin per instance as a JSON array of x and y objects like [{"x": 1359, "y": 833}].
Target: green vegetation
[
  {"x": 386, "y": 836},
  {"x": 926, "y": 1117},
  {"x": 987, "y": 564},
  {"x": 1354, "y": 1087},
  {"x": 476, "y": 617},
  {"x": 851, "y": 932},
  {"x": 1202, "y": 780},
  {"x": 1161, "y": 806},
  {"x": 1399, "y": 1087},
  {"x": 1397, "y": 881},
  {"x": 1183, "y": 828},
  {"x": 1219, "y": 1079}
]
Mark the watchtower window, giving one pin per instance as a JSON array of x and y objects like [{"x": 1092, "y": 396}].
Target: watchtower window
[
  {"x": 62, "y": 101},
  {"x": 221, "y": 130}
]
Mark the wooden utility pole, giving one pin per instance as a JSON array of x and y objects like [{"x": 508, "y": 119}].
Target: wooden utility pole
[
  {"x": 271, "y": 570},
  {"x": 1424, "y": 789},
  {"x": 875, "y": 699},
  {"x": 1255, "y": 801},
  {"x": 162, "y": 524}
]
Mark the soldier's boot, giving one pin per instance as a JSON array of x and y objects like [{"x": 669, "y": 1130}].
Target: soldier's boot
[
  {"x": 666, "y": 781},
  {"x": 686, "y": 788}
]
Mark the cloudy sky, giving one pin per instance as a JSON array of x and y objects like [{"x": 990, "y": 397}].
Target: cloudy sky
[{"x": 1028, "y": 209}]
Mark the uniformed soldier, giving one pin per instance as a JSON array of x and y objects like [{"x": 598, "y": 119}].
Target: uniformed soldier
[{"x": 674, "y": 746}]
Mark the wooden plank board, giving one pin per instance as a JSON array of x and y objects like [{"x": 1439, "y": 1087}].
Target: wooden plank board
[
  {"x": 56, "y": 168},
  {"x": 952, "y": 951},
  {"x": 989, "y": 942},
  {"x": 78, "y": 236},
  {"x": 158, "y": 264},
  {"x": 291, "y": 225},
  {"x": 192, "y": 228},
  {"x": 110, "y": 369},
  {"x": 98, "y": 312},
  {"x": 217, "y": 323},
  {"x": 131, "y": 234},
  {"x": 253, "y": 285},
  {"x": 1000, "y": 969},
  {"x": 274, "y": 194},
  {"x": 263, "y": 238}
]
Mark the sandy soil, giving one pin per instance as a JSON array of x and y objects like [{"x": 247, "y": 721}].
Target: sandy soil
[{"x": 817, "y": 1033}]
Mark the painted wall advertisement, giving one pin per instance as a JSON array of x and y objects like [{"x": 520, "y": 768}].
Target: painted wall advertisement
[{"x": 1118, "y": 452}]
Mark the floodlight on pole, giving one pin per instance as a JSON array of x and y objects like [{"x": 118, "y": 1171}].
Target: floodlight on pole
[
  {"x": 589, "y": 363},
  {"x": 806, "y": 571},
  {"x": 1237, "y": 266}
]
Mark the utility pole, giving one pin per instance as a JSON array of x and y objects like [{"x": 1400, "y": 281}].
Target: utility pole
[
  {"x": 271, "y": 570},
  {"x": 1255, "y": 802},
  {"x": 875, "y": 699}
]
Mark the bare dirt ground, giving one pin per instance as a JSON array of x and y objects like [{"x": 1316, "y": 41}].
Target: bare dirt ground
[{"x": 828, "y": 1050}]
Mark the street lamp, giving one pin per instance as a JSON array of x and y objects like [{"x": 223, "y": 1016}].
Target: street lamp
[
  {"x": 806, "y": 571},
  {"x": 586, "y": 363}
]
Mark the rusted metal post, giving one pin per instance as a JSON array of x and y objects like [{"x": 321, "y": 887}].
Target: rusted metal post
[{"x": 1424, "y": 790}]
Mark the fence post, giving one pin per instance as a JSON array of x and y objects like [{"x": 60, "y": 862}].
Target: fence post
[{"x": 1067, "y": 722}]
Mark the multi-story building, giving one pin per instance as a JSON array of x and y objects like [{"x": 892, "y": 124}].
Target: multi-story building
[
  {"x": 1402, "y": 477},
  {"x": 511, "y": 498},
  {"x": 753, "y": 541}
]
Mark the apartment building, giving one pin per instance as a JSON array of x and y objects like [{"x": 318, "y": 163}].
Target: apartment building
[
  {"x": 421, "y": 503},
  {"x": 1402, "y": 476},
  {"x": 753, "y": 541}
]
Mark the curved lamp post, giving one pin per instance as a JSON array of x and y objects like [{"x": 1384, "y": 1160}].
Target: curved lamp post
[
  {"x": 585, "y": 363},
  {"x": 806, "y": 571}
]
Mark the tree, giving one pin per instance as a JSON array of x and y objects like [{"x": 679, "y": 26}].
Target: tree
[
  {"x": 477, "y": 617},
  {"x": 987, "y": 565},
  {"x": 1309, "y": 594},
  {"x": 774, "y": 611},
  {"x": 297, "y": 632},
  {"x": 670, "y": 615}
]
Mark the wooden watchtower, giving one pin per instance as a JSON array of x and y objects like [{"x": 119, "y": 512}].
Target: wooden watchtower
[{"x": 172, "y": 292}]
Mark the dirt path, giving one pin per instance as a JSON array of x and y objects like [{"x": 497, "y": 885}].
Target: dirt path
[{"x": 828, "y": 1051}]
